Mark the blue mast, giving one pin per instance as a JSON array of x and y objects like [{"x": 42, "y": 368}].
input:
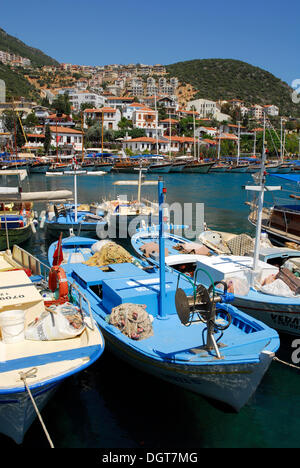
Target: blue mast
[{"x": 162, "y": 266}]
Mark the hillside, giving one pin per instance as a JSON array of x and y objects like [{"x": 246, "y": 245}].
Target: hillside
[
  {"x": 229, "y": 79},
  {"x": 16, "y": 84},
  {"x": 13, "y": 45}
]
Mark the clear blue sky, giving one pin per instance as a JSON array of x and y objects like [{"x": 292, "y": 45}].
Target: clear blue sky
[{"x": 264, "y": 33}]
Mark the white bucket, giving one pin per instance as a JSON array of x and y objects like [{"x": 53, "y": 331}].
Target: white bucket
[{"x": 12, "y": 323}]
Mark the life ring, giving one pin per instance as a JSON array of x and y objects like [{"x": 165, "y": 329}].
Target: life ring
[{"x": 58, "y": 279}]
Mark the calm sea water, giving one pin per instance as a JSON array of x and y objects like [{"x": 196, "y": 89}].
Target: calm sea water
[{"x": 112, "y": 405}]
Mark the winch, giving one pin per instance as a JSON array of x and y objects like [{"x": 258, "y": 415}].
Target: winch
[{"x": 202, "y": 307}]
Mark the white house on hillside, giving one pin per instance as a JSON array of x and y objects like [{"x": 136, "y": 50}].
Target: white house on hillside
[
  {"x": 204, "y": 107},
  {"x": 111, "y": 117}
]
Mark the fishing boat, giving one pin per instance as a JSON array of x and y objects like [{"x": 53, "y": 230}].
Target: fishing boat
[
  {"x": 81, "y": 218},
  {"x": 121, "y": 211},
  {"x": 74, "y": 249},
  {"x": 16, "y": 214},
  {"x": 230, "y": 243},
  {"x": 262, "y": 289},
  {"x": 142, "y": 313},
  {"x": 84, "y": 218},
  {"x": 35, "y": 362}
]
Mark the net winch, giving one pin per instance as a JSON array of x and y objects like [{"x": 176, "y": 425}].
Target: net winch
[{"x": 201, "y": 306}]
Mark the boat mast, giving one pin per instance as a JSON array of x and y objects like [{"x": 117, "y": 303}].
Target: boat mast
[
  {"x": 281, "y": 140},
  {"x": 170, "y": 139},
  {"x": 82, "y": 130},
  {"x": 254, "y": 146},
  {"x": 56, "y": 140},
  {"x": 75, "y": 191},
  {"x": 194, "y": 127},
  {"x": 219, "y": 146},
  {"x": 156, "y": 122},
  {"x": 239, "y": 145},
  {"x": 102, "y": 131},
  {"x": 162, "y": 267}
]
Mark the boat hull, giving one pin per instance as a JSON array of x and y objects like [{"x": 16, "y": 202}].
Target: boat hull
[
  {"x": 164, "y": 169},
  {"x": 178, "y": 167},
  {"x": 238, "y": 170},
  {"x": 17, "y": 412},
  {"x": 39, "y": 169},
  {"x": 283, "y": 317},
  {"x": 78, "y": 228},
  {"x": 16, "y": 236},
  {"x": 232, "y": 384},
  {"x": 218, "y": 169},
  {"x": 103, "y": 167}
]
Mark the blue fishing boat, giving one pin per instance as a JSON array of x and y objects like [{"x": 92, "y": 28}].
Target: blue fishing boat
[
  {"x": 75, "y": 249},
  {"x": 66, "y": 217},
  {"x": 33, "y": 364},
  {"x": 72, "y": 216},
  {"x": 144, "y": 313}
]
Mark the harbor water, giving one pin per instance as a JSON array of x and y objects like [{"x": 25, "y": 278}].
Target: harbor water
[{"x": 112, "y": 405}]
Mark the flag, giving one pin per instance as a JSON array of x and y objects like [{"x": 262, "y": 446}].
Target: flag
[{"x": 58, "y": 254}]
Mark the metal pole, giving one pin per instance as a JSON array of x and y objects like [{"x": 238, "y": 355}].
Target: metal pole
[
  {"x": 281, "y": 157},
  {"x": 260, "y": 208},
  {"x": 156, "y": 123},
  {"x": 239, "y": 148},
  {"x": 162, "y": 266},
  {"x": 219, "y": 146},
  {"x": 194, "y": 128}
]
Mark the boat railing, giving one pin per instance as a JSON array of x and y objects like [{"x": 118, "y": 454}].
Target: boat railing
[
  {"x": 82, "y": 297},
  {"x": 27, "y": 260}
]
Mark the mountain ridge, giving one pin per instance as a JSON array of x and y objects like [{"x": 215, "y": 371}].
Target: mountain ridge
[
  {"x": 225, "y": 79},
  {"x": 14, "y": 45}
]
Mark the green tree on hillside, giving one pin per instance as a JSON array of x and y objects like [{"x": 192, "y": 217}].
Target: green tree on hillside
[
  {"x": 62, "y": 104},
  {"x": 47, "y": 141}
]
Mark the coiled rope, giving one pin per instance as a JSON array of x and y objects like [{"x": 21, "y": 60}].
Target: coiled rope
[{"x": 32, "y": 373}]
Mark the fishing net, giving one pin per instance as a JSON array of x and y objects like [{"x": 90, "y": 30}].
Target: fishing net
[
  {"x": 241, "y": 245},
  {"x": 132, "y": 320},
  {"x": 109, "y": 253}
]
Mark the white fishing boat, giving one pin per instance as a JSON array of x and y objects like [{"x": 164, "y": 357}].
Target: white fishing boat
[
  {"x": 267, "y": 291},
  {"x": 122, "y": 210}
]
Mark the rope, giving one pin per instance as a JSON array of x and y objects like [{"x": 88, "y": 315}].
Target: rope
[
  {"x": 32, "y": 373},
  {"x": 285, "y": 363}
]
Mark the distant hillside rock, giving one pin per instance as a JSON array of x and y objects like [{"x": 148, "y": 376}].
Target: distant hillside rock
[
  {"x": 233, "y": 79},
  {"x": 13, "y": 45},
  {"x": 16, "y": 85}
]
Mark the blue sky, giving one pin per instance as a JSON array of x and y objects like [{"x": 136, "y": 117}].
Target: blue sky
[{"x": 264, "y": 33}]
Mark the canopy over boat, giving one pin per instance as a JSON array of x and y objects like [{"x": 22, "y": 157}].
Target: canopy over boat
[{"x": 290, "y": 177}]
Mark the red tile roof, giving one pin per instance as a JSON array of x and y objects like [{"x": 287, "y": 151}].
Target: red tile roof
[{"x": 55, "y": 129}]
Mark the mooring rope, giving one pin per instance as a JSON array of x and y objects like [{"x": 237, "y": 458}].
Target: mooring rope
[
  {"x": 32, "y": 373},
  {"x": 285, "y": 363}
]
